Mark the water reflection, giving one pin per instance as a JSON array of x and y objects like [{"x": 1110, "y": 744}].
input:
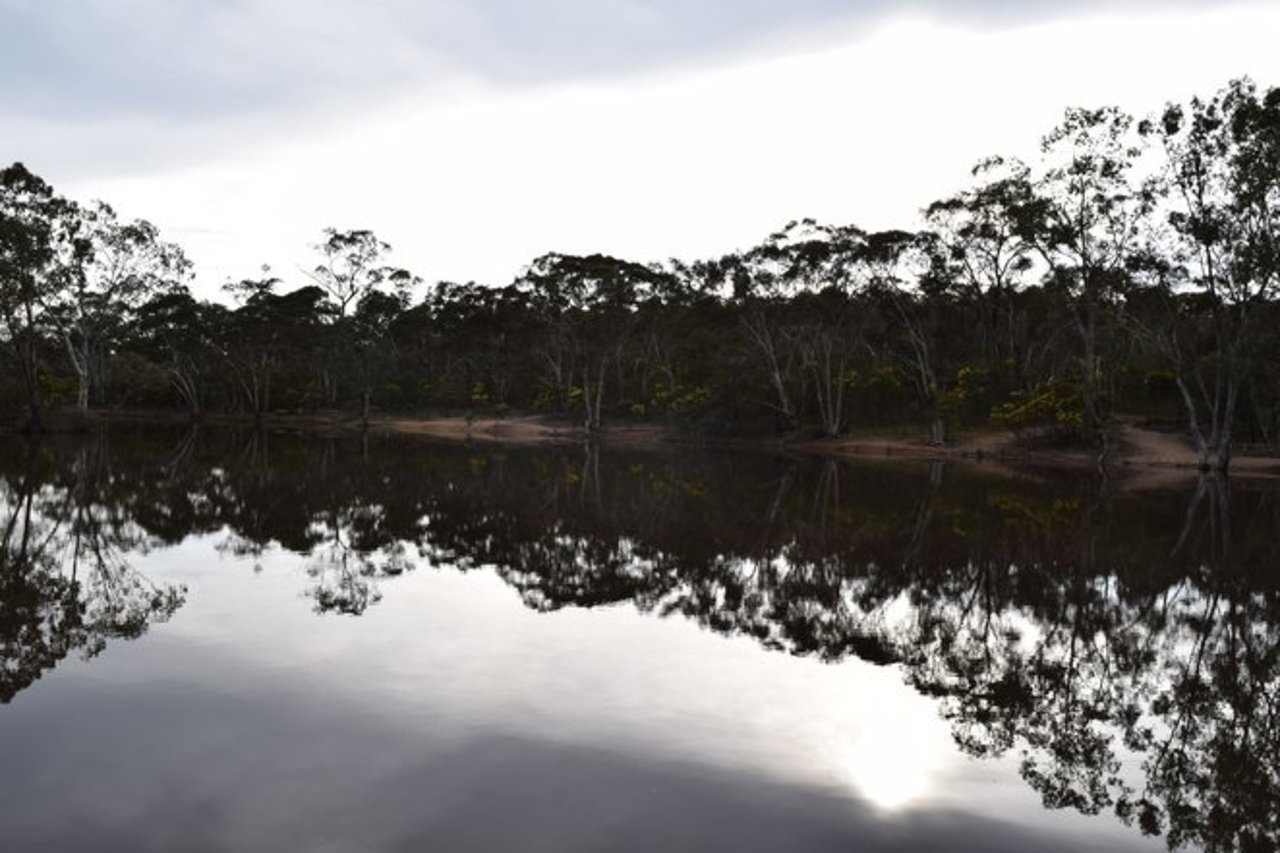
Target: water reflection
[
  {"x": 1124, "y": 646},
  {"x": 66, "y": 584}
]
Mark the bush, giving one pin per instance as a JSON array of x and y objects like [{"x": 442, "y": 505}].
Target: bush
[{"x": 1057, "y": 406}]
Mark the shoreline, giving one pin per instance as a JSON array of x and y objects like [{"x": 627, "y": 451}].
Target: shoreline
[
  {"x": 1139, "y": 452},
  {"x": 1136, "y": 449}
]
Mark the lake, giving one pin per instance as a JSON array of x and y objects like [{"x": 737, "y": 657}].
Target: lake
[{"x": 236, "y": 641}]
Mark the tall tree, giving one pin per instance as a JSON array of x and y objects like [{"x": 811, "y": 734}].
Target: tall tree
[
  {"x": 984, "y": 252},
  {"x": 761, "y": 304},
  {"x": 39, "y": 249},
  {"x": 818, "y": 267},
  {"x": 588, "y": 306},
  {"x": 351, "y": 267},
  {"x": 174, "y": 331},
  {"x": 1222, "y": 263},
  {"x": 903, "y": 272},
  {"x": 351, "y": 271},
  {"x": 1092, "y": 207},
  {"x": 122, "y": 265},
  {"x": 796, "y": 292},
  {"x": 266, "y": 335}
]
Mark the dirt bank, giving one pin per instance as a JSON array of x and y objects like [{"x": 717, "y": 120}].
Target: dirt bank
[
  {"x": 1134, "y": 447},
  {"x": 1137, "y": 453}
]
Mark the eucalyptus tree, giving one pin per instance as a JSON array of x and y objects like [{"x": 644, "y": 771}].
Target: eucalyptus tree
[
  {"x": 176, "y": 332},
  {"x": 352, "y": 268},
  {"x": 681, "y": 362},
  {"x": 588, "y": 309},
  {"x": 903, "y": 270},
  {"x": 1221, "y": 264},
  {"x": 761, "y": 305},
  {"x": 267, "y": 336},
  {"x": 40, "y": 249},
  {"x": 1090, "y": 210},
  {"x": 121, "y": 266},
  {"x": 373, "y": 345},
  {"x": 985, "y": 255},
  {"x": 813, "y": 269},
  {"x": 485, "y": 337}
]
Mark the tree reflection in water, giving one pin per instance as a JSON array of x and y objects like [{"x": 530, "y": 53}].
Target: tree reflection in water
[
  {"x": 66, "y": 584},
  {"x": 1124, "y": 646}
]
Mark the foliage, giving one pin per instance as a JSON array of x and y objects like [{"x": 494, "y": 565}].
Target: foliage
[{"x": 1038, "y": 296}]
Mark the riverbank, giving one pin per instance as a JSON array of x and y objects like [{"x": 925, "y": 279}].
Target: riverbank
[
  {"x": 1138, "y": 453},
  {"x": 1136, "y": 450}
]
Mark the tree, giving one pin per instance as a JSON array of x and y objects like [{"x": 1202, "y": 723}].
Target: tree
[
  {"x": 984, "y": 253},
  {"x": 797, "y": 290},
  {"x": 587, "y": 305},
  {"x": 1090, "y": 209},
  {"x": 122, "y": 265},
  {"x": 1221, "y": 262},
  {"x": 485, "y": 337},
  {"x": 266, "y": 335},
  {"x": 352, "y": 272},
  {"x": 372, "y": 342},
  {"x": 173, "y": 330},
  {"x": 351, "y": 268},
  {"x": 762, "y": 308},
  {"x": 904, "y": 271},
  {"x": 39, "y": 251}
]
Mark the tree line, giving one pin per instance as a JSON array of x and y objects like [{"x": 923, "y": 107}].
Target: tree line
[{"x": 1131, "y": 268}]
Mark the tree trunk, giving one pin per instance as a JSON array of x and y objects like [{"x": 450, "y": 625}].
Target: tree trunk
[
  {"x": 81, "y": 361},
  {"x": 592, "y": 398},
  {"x": 1089, "y": 386},
  {"x": 29, "y": 368},
  {"x": 760, "y": 335},
  {"x": 938, "y": 432}
]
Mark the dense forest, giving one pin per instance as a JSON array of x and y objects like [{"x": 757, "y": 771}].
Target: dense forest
[{"x": 1131, "y": 269}]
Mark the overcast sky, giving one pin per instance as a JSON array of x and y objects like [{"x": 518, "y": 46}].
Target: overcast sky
[{"x": 476, "y": 134}]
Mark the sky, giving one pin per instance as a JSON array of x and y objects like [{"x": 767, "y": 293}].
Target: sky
[{"x": 476, "y": 135}]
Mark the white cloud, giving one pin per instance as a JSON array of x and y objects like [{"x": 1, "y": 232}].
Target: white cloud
[{"x": 687, "y": 163}]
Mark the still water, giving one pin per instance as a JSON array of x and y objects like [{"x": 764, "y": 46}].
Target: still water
[{"x": 224, "y": 641}]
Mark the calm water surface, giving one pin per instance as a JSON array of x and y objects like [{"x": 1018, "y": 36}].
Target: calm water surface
[{"x": 234, "y": 642}]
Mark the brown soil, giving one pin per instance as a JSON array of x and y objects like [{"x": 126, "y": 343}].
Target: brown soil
[
  {"x": 1143, "y": 455},
  {"x": 1139, "y": 454},
  {"x": 525, "y": 430},
  {"x": 513, "y": 430}
]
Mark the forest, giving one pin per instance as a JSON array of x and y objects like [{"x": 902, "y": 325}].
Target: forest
[{"x": 1131, "y": 269}]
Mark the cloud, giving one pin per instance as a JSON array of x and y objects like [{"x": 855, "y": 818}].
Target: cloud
[
  {"x": 473, "y": 135},
  {"x": 77, "y": 60},
  {"x": 677, "y": 163}
]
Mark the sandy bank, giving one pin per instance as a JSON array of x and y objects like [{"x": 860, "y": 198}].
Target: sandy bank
[{"x": 1135, "y": 448}]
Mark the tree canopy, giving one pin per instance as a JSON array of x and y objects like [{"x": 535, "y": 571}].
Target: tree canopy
[{"x": 1130, "y": 270}]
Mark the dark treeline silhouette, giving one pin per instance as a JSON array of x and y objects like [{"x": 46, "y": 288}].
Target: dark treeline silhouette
[
  {"x": 1126, "y": 647},
  {"x": 1132, "y": 268}
]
